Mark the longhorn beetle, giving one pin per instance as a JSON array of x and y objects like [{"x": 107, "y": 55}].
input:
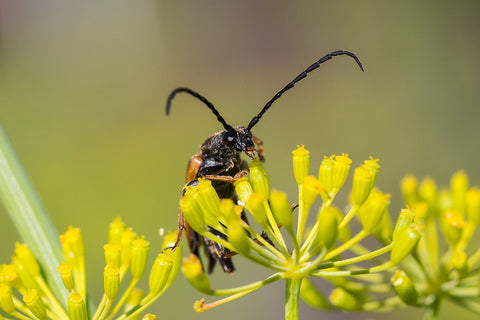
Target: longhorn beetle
[{"x": 219, "y": 161}]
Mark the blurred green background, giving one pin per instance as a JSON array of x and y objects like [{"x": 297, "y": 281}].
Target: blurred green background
[{"x": 83, "y": 86}]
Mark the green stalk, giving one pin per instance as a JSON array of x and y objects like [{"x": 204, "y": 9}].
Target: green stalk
[
  {"x": 29, "y": 217},
  {"x": 292, "y": 295}
]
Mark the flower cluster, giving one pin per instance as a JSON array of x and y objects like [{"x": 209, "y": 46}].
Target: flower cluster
[
  {"x": 309, "y": 251},
  {"x": 125, "y": 251},
  {"x": 443, "y": 267}
]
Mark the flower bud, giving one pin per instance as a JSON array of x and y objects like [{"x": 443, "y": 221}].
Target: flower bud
[
  {"x": 409, "y": 185},
  {"x": 140, "y": 248},
  {"x": 282, "y": 210},
  {"x": 160, "y": 273},
  {"x": 126, "y": 239},
  {"x": 149, "y": 316},
  {"x": 325, "y": 173},
  {"x": 259, "y": 178},
  {"x": 193, "y": 214},
  {"x": 209, "y": 202},
  {"x": 193, "y": 271},
  {"x": 73, "y": 246},
  {"x": 343, "y": 299},
  {"x": 301, "y": 160},
  {"x": 312, "y": 296},
  {"x": 460, "y": 263},
  {"x": 405, "y": 288},
  {"x": 340, "y": 169},
  {"x": 6, "y": 299},
  {"x": 111, "y": 281},
  {"x": 66, "y": 274},
  {"x": 112, "y": 254},
  {"x": 459, "y": 187},
  {"x": 117, "y": 226},
  {"x": 373, "y": 166},
  {"x": 237, "y": 236},
  {"x": 27, "y": 259},
  {"x": 243, "y": 188},
  {"x": 26, "y": 277},
  {"x": 10, "y": 277},
  {"x": 77, "y": 310},
  {"x": 383, "y": 231},
  {"x": 452, "y": 225},
  {"x": 35, "y": 304},
  {"x": 472, "y": 210},
  {"x": 311, "y": 189},
  {"x": 405, "y": 219},
  {"x": 327, "y": 227},
  {"x": 134, "y": 299},
  {"x": 373, "y": 210},
  {"x": 429, "y": 194},
  {"x": 168, "y": 242},
  {"x": 406, "y": 241},
  {"x": 362, "y": 185},
  {"x": 256, "y": 206}
]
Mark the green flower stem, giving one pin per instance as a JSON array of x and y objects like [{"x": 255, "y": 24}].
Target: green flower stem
[
  {"x": 263, "y": 242},
  {"x": 252, "y": 286},
  {"x": 29, "y": 217},
  {"x": 379, "y": 268},
  {"x": 302, "y": 214},
  {"x": 351, "y": 213},
  {"x": 364, "y": 257},
  {"x": 277, "y": 235},
  {"x": 292, "y": 295},
  {"x": 347, "y": 245},
  {"x": 263, "y": 262},
  {"x": 385, "y": 305},
  {"x": 472, "y": 292}
]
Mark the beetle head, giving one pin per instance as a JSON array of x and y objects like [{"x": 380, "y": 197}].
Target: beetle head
[{"x": 240, "y": 140}]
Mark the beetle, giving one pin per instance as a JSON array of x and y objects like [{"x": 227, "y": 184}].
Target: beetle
[{"x": 219, "y": 161}]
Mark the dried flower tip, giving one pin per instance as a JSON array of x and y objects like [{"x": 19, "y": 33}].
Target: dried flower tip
[
  {"x": 160, "y": 273},
  {"x": 35, "y": 304},
  {"x": 243, "y": 188},
  {"x": 259, "y": 179},
  {"x": 282, "y": 210},
  {"x": 117, "y": 226},
  {"x": 66, "y": 274},
  {"x": 111, "y": 281},
  {"x": 373, "y": 210},
  {"x": 409, "y": 185},
  {"x": 340, "y": 169},
  {"x": 193, "y": 214},
  {"x": 472, "y": 210},
  {"x": 459, "y": 186},
  {"x": 193, "y": 271},
  {"x": 112, "y": 254},
  {"x": 405, "y": 219},
  {"x": 140, "y": 248},
  {"x": 77, "y": 309},
  {"x": 301, "y": 160},
  {"x": 407, "y": 240},
  {"x": 256, "y": 206},
  {"x": 405, "y": 288},
  {"x": 23, "y": 253},
  {"x": 6, "y": 299},
  {"x": 362, "y": 185},
  {"x": 343, "y": 299}
]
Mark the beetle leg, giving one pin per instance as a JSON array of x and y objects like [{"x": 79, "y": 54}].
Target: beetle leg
[
  {"x": 261, "y": 152},
  {"x": 229, "y": 179}
]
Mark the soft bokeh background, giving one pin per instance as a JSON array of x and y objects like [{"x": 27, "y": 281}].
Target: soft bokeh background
[{"x": 83, "y": 86}]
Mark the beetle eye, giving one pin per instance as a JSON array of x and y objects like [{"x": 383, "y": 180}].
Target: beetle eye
[{"x": 229, "y": 138}]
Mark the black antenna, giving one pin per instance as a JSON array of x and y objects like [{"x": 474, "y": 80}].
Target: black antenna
[
  {"x": 201, "y": 98},
  {"x": 300, "y": 77}
]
